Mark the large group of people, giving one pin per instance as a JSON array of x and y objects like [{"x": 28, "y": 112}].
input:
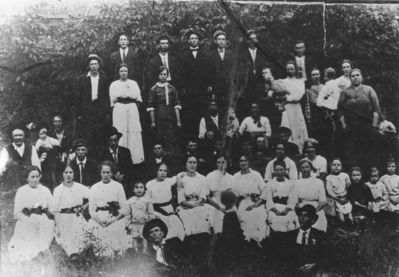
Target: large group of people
[{"x": 291, "y": 156}]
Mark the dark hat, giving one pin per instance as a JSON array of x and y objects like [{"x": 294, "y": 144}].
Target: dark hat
[
  {"x": 94, "y": 57},
  {"x": 218, "y": 33},
  {"x": 311, "y": 210},
  {"x": 112, "y": 132},
  {"x": 152, "y": 224},
  {"x": 79, "y": 143},
  {"x": 283, "y": 129}
]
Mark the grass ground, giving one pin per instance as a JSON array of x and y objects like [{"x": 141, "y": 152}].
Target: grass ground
[{"x": 374, "y": 252}]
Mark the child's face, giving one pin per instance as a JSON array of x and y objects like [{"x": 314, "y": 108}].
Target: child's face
[
  {"x": 374, "y": 177},
  {"x": 336, "y": 166},
  {"x": 162, "y": 172},
  {"x": 391, "y": 168},
  {"x": 163, "y": 76},
  {"x": 356, "y": 176},
  {"x": 43, "y": 133},
  {"x": 139, "y": 189}
]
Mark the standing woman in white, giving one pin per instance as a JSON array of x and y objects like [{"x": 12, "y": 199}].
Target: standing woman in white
[
  {"x": 125, "y": 98},
  {"x": 34, "y": 230}
]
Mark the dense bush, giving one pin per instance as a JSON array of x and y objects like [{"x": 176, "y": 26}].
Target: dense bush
[{"x": 41, "y": 56}]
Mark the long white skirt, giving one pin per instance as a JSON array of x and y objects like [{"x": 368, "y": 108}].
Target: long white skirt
[
  {"x": 126, "y": 119},
  {"x": 282, "y": 223},
  {"x": 70, "y": 230},
  {"x": 253, "y": 223},
  {"x": 31, "y": 237},
  {"x": 293, "y": 119},
  {"x": 174, "y": 224},
  {"x": 197, "y": 220},
  {"x": 107, "y": 241}
]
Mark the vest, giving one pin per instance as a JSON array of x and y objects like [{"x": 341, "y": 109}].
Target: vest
[
  {"x": 25, "y": 160},
  {"x": 211, "y": 126}
]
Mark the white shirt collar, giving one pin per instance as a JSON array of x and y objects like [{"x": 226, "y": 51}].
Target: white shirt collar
[
  {"x": 300, "y": 235},
  {"x": 112, "y": 151},
  {"x": 96, "y": 77},
  {"x": 84, "y": 161},
  {"x": 20, "y": 147}
]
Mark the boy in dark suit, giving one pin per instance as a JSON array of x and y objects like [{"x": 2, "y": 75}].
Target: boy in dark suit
[{"x": 84, "y": 168}]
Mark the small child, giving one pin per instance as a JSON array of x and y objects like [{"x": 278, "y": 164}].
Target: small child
[
  {"x": 386, "y": 127},
  {"x": 359, "y": 194},
  {"x": 139, "y": 210},
  {"x": 391, "y": 182},
  {"x": 45, "y": 141},
  {"x": 378, "y": 190},
  {"x": 336, "y": 185}
]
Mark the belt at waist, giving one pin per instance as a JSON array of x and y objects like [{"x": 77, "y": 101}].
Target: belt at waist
[
  {"x": 125, "y": 100},
  {"x": 280, "y": 200},
  {"x": 162, "y": 204},
  {"x": 72, "y": 210},
  {"x": 105, "y": 208},
  {"x": 39, "y": 211}
]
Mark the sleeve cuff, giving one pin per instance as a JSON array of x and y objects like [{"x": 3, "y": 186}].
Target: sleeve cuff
[
  {"x": 150, "y": 109},
  {"x": 177, "y": 107}
]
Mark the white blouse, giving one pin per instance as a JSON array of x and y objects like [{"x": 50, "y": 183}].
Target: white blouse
[
  {"x": 160, "y": 191},
  {"x": 124, "y": 89},
  {"x": 247, "y": 184},
  {"x": 68, "y": 197},
  {"x": 102, "y": 193},
  {"x": 28, "y": 197}
]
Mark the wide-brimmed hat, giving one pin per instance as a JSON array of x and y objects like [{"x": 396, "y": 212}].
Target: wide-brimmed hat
[
  {"x": 112, "y": 132},
  {"x": 311, "y": 210},
  {"x": 218, "y": 33},
  {"x": 152, "y": 224},
  {"x": 94, "y": 57},
  {"x": 283, "y": 129}
]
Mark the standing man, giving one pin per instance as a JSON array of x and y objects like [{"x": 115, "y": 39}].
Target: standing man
[
  {"x": 16, "y": 157},
  {"x": 196, "y": 82},
  {"x": 303, "y": 63},
  {"x": 164, "y": 58},
  {"x": 125, "y": 55},
  {"x": 92, "y": 107},
  {"x": 222, "y": 61}
]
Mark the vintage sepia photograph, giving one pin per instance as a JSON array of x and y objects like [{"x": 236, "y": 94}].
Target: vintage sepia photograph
[{"x": 199, "y": 138}]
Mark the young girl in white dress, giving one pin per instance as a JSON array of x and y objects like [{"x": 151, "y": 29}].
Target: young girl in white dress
[
  {"x": 106, "y": 230},
  {"x": 139, "y": 211},
  {"x": 34, "y": 230},
  {"x": 391, "y": 182},
  {"x": 68, "y": 206},
  {"x": 378, "y": 190}
]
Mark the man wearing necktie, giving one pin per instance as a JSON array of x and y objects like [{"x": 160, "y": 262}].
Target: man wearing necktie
[
  {"x": 164, "y": 58},
  {"x": 196, "y": 84},
  {"x": 126, "y": 55},
  {"x": 304, "y": 63},
  {"x": 84, "y": 168}
]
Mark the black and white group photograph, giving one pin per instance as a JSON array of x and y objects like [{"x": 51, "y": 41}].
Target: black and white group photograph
[{"x": 199, "y": 138}]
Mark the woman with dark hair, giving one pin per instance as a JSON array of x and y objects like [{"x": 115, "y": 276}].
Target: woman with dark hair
[
  {"x": 248, "y": 186},
  {"x": 197, "y": 216},
  {"x": 344, "y": 81},
  {"x": 218, "y": 181},
  {"x": 125, "y": 98},
  {"x": 34, "y": 230},
  {"x": 359, "y": 112},
  {"x": 162, "y": 192},
  {"x": 164, "y": 107},
  {"x": 69, "y": 199},
  {"x": 310, "y": 190},
  {"x": 319, "y": 163},
  {"x": 106, "y": 228}
]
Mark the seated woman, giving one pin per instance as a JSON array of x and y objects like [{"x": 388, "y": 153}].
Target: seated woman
[
  {"x": 279, "y": 203},
  {"x": 310, "y": 190},
  {"x": 162, "y": 192},
  {"x": 248, "y": 186},
  {"x": 319, "y": 163},
  {"x": 34, "y": 230},
  {"x": 106, "y": 228},
  {"x": 218, "y": 181},
  {"x": 68, "y": 205},
  {"x": 197, "y": 216}
]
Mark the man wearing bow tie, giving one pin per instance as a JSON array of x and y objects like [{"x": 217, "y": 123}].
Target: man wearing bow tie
[
  {"x": 196, "y": 84},
  {"x": 126, "y": 55}
]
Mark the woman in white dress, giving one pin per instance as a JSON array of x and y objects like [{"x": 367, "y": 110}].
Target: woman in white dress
[
  {"x": 248, "y": 186},
  {"x": 197, "y": 216},
  {"x": 292, "y": 117},
  {"x": 310, "y": 190},
  {"x": 218, "y": 181},
  {"x": 319, "y": 162},
  {"x": 125, "y": 97},
  {"x": 34, "y": 230},
  {"x": 68, "y": 207},
  {"x": 279, "y": 201},
  {"x": 106, "y": 228},
  {"x": 160, "y": 193}
]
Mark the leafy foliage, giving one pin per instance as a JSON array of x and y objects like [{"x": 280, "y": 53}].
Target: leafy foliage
[{"x": 42, "y": 56}]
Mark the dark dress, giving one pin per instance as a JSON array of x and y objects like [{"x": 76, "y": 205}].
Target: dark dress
[
  {"x": 164, "y": 107},
  {"x": 360, "y": 193}
]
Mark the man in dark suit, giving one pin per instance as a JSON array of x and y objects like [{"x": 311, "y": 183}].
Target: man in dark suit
[
  {"x": 196, "y": 84},
  {"x": 303, "y": 62},
  {"x": 92, "y": 107},
  {"x": 125, "y": 55},
  {"x": 158, "y": 156},
  {"x": 122, "y": 159},
  {"x": 222, "y": 62},
  {"x": 85, "y": 169},
  {"x": 164, "y": 58},
  {"x": 167, "y": 253},
  {"x": 306, "y": 246}
]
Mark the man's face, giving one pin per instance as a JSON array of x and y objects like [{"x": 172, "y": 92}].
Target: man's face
[
  {"x": 157, "y": 150},
  {"x": 156, "y": 235},
  {"x": 123, "y": 41},
  {"x": 57, "y": 123},
  {"x": 81, "y": 152},
  {"x": 164, "y": 45},
  {"x": 221, "y": 41},
  {"x": 290, "y": 70},
  {"x": 193, "y": 40},
  {"x": 300, "y": 49},
  {"x": 213, "y": 108},
  {"x": 346, "y": 68},
  {"x": 94, "y": 66},
  {"x": 280, "y": 151},
  {"x": 192, "y": 146},
  {"x": 18, "y": 137},
  {"x": 255, "y": 109},
  {"x": 315, "y": 76},
  {"x": 113, "y": 141},
  {"x": 305, "y": 220},
  {"x": 252, "y": 40},
  {"x": 284, "y": 136}
]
